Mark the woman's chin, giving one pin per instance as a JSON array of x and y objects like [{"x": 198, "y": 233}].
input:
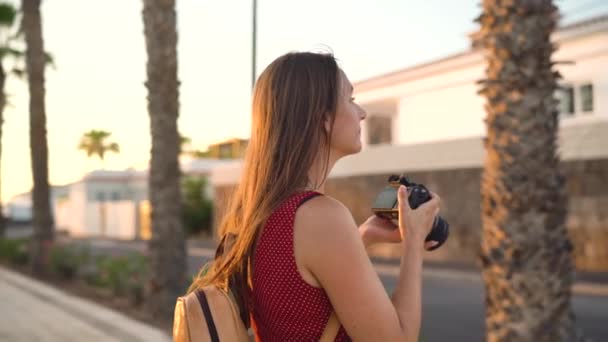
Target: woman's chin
[
  {"x": 348, "y": 150},
  {"x": 356, "y": 148}
]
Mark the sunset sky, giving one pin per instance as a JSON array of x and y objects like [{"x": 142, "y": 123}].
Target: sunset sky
[{"x": 99, "y": 50}]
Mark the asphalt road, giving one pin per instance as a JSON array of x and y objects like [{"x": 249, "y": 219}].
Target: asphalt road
[{"x": 453, "y": 310}]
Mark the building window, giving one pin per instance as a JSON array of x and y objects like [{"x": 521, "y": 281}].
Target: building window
[
  {"x": 115, "y": 196},
  {"x": 565, "y": 96},
  {"x": 101, "y": 196},
  {"x": 379, "y": 130},
  {"x": 574, "y": 99},
  {"x": 226, "y": 151},
  {"x": 586, "y": 94}
]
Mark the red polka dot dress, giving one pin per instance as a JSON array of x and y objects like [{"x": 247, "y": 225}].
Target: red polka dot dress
[{"x": 285, "y": 307}]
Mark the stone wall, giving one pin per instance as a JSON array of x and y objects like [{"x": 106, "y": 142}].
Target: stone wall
[
  {"x": 461, "y": 201},
  {"x": 459, "y": 191}
]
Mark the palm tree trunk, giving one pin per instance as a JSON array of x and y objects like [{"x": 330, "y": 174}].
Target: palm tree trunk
[
  {"x": 35, "y": 63},
  {"x": 167, "y": 245},
  {"x": 525, "y": 253},
  {"x": 2, "y": 105}
]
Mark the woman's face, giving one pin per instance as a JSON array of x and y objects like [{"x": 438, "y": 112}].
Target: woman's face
[{"x": 346, "y": 134}]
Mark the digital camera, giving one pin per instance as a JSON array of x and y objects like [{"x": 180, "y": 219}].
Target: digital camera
[{"x": 386, "y": 205}]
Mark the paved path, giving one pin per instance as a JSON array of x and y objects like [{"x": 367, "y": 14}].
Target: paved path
[{"x": 33, "y": 311}]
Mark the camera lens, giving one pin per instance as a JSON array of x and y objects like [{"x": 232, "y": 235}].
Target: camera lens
[{"x": 439, "y": 232}]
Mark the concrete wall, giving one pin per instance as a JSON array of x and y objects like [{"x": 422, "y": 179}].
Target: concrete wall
[{"x": 587, "y": 221}]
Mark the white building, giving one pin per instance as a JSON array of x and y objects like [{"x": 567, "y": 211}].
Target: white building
[
  {"x": 438, "y": 100},
  {"x": 19, "y": 208},
  {"x": 430, "y": 117},
  {"x": 106, "y": 203}
]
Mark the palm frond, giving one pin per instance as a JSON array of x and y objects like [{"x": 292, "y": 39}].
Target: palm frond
[
  {"x": 9, "y": 51},
  {"x": 49, "y": 60},
  {"x": 7, "y": 14},
  {"x": 114, "y": 147},
  {"x": 19, "y": 73}
]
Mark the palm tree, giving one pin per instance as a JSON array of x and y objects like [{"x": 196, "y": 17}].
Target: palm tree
[
  {"x": 35, "y": 60},
  {"x": 8, "y": 14},
  {"x": 167, "y": 245},
  {"x": 525, "y": 252},
  {"x": 94, "y": 142},
  {"x": 188, "y": 150}
]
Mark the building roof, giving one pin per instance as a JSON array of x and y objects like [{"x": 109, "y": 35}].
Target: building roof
[
  {"x": 600, "y": 19},
  {"x": 576, "y": 142},
  {"x": 198, "y": 166},
  {"x": 115, "y": 175},
  {"x": 204, "y": 165},
  {"x": 585, "y": 141},
  {"x": 473, "y": 56}
]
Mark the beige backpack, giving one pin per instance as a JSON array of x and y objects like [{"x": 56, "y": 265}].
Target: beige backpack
[{"x": 210, "y": 315}]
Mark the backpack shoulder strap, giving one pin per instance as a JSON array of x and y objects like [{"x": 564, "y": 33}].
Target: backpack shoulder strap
[
  {"x": 197, "y": 324},
  {"x": 203, "y": 302}
]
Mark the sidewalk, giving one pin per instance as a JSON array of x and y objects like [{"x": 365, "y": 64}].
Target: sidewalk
[{"x": 33, "y": 311}]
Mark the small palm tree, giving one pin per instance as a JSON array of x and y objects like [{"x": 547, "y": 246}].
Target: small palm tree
[
  {"x": 94, "y": 142},
  {"x": 8, "y": 14}
]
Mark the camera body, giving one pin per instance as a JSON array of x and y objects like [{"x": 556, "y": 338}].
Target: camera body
[{"x": 386, "y": 205}]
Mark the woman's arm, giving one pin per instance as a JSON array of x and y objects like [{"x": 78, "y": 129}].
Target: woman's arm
[{"x": 329, "y": 247}]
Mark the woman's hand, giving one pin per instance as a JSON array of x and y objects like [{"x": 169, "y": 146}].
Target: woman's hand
[
  {"x": 415, "y": 225},
  {"x": 381, "y": 230}
]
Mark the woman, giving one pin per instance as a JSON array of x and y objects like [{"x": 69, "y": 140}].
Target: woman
[{"x": 292, "y": 255}]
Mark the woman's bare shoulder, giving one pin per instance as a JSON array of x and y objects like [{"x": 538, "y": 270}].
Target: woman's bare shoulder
[{"x": 321, "y": 211}]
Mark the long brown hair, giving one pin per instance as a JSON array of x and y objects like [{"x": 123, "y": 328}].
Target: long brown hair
[{"x": 292, "y": 100}]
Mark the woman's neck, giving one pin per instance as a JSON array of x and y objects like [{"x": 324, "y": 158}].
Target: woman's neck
[{"x": 320, "y": 170}]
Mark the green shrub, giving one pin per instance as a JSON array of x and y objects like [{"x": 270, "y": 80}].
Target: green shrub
[
  {"x": 124, "y": 275},
  {"x": 113, "y": 273},
  {"x": 14, "y": 251},
  {"x": 93, "y": 271},
  {"x": 138, "y": 273},
  {"x": 197, "y": 208},
  {"x": 65, "y": 260}
]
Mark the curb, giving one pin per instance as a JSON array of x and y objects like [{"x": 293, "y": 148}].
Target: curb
[
  {"x": 579, "y": 287},
  {"x": 392, "y": 269},
  {"x": 110, "y": 322}
]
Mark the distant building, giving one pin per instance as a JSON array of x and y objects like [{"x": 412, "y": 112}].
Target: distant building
[
  {"x": 107, "y": 203},
  {"x": 229, "y": 149},
  {"x": 19, "y": 207},
  {"x": 439, "y": 101}
]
